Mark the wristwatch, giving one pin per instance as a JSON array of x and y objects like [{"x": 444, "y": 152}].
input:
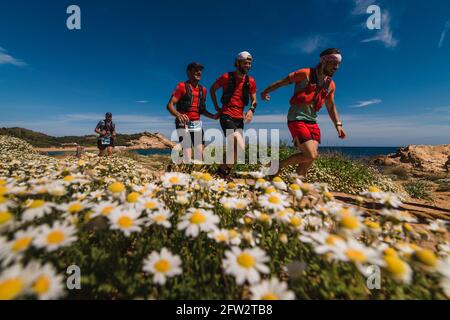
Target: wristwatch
[{"x": 338, "y": 124}]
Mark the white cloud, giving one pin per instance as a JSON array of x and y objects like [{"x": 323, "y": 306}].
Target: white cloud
[
  {"x": 365, "y": 103},
  {"x": 443, "y": 34},
  {"x": 310, "y": 44},
  {"x": 384, "y": 35},
  {"x": 5, "y": 58},
  {"x": 142, "y": 101},
  {"x": 361, "y": 6}
]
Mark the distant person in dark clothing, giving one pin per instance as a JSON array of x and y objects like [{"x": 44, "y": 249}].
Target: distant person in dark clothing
[{"x": 107, "y": 133}]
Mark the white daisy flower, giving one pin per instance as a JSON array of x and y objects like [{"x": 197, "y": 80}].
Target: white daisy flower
[
  {"x": 6, "y": 220},
  {"x": 161, "y": 218},
  {"x": 398, "y": 269},
  {"x": 373, "y": 193},
  {"x": 37, "y": 208},
  {"x": 196, "y": 220},
  {"x": 125, "y": 220},
  {"x": 399, "y": 216},
  {"x": 14, "y": 282},
  {"x": 279, "y": 183},
  {"x": 220, "y": 235},
  {"x": 261, "y": 183},
  {"x": 234, "y": 237},
  {"x": 60, "y": 234},
  {"x": 149, "y": 204},
  {"x": 13, "y": 250},
  {"x": 272, "y": 289},
  {"x": 390, "y": 199},
  {"x": 73, "y": 207},
  {"x": 170, "y": 179},
  {"x": 103, "y": 208},
  {"x": 47, "y": 284},
  {"x": 246, "y": 264},
  {"x": 273, "y": 201},
  {"x": 355, "y": 252},
  {"x": 162, "y": 265}
]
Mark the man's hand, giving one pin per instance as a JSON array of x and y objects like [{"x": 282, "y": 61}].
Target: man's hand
[
  {"x": 182, "y": 118},
  {"x": 341, "y": 132},
  {"x": 103, "y": 133},
  {"x": 265, "y": 96},
  {"x": 248, "y": 116}
]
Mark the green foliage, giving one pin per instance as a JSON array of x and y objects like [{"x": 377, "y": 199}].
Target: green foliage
[{"x": 419, "y": 189}]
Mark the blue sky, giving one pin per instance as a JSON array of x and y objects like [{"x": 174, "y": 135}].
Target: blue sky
[{"x": 392, "y": 88}]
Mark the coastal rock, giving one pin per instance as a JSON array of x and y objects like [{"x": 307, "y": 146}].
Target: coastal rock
[
  {"x": 151, "y": 141},
  {"x": 425, "y": 158}
]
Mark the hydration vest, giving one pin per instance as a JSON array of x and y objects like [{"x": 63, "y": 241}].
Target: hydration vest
[
  {"x": 309, "y": 94},
  {"x": 186, "y": 101},
  {"x": 231, "y": 88}
]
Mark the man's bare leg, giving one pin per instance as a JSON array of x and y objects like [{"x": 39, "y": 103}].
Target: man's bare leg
[
  {"x": 304, "y": 159},
  {"x": 310, "y": 151}
]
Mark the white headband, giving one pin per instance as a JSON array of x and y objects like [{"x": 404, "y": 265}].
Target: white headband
[{"x": 331, "y": 57}]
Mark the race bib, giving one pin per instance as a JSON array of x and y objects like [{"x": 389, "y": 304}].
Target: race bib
[
  {"x": 105, "y": 141},
  {"x": 194, "y": 126}
]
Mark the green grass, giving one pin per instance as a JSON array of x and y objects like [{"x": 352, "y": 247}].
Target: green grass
[{"x": 419, "y": 189}]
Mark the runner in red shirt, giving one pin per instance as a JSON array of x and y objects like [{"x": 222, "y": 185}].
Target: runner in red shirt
[
  {"x": 238, "y": 90},
  {"x": 187, "y": 103},
  {"x": 313, "y": 88}
]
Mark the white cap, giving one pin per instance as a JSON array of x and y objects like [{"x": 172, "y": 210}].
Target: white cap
[{"x": 244, "y": 55}]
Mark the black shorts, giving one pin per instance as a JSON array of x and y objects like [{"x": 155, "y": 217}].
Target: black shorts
[
  {"x": 231, "y": 124},
  {"x": 182, "y": 133},
  {"x": 104, "y": 146}
]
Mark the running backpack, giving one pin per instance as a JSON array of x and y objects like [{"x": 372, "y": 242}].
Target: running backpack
[
  {"x": 231, "y": 88},
  {"x": 186, "y": 101}
]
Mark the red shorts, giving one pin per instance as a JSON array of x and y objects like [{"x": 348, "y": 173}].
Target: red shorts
[{"x": 304, "y": 131}]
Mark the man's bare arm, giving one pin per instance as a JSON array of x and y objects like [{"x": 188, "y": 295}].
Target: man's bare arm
[
  {"x": 274, "y": 86},
  {"x": 182, "y": 118},
  {"x": 212, "y": 91},
  {"x": 334, "y": 116}
]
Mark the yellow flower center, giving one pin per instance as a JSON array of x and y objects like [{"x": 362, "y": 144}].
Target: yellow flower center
[
  {"x": 277, "y": 179},
  {"x": 374, "y": 189},
  {"x": 231, "y": 185},
  {"x": 197, "y": 218},
  {"x": 246, "y": 260},
  {"x": 408, "y": 227},
  {"x": 5, "y": 216},
  {"x": 260, "y": 180},
  {"x": 2, "y": 199},
  {"x": 269, "y": 296},
  {"x": 42, "y": 285},
  {"x": 332, "y": 239},
  {"x": 394, "y": 265},
  {"x": 294, "y": 187},
  {"x": 296, "y": 221},
  {"x": 274, "y": 200},
  {"x": 107, "y": 210},
  {"x": 206, "y": 177},
  {"x": 125, "y": 222},
  {"x": 372, "y": 224},
  {"x": 133, "y": 197},
  {"x": 240, "y": 205},
  {"x": 221, "y": 238},
  {"x": 36, "y": 204},
  {"x": 427, "y": 257},
  {"x": 264, "y": 217},
  {"x": 68, "y": 178},
  {"x": 21, "y": 244},
  {"x": 248, "y": 220},
  {"x": 390, "y": 252},
  {"x": 160, "y": 218},
  {"x": 349, "y": 222},
  {"x": 150, "y": 205},
  {"x": 356, "y": 255},
  {"x": 174, "y": 180},
  {"x": 55, "y": 237},
  {"x": 270, "y": 190},
  {"x": 116, "y": 187},
  {"x": 305, "y": 187},
  {"x": 74, "y": 208},
  {"x": 162, "y": 266},
  {"x": 233, "y": 233},
  {"x": 10, "y": 288}
]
